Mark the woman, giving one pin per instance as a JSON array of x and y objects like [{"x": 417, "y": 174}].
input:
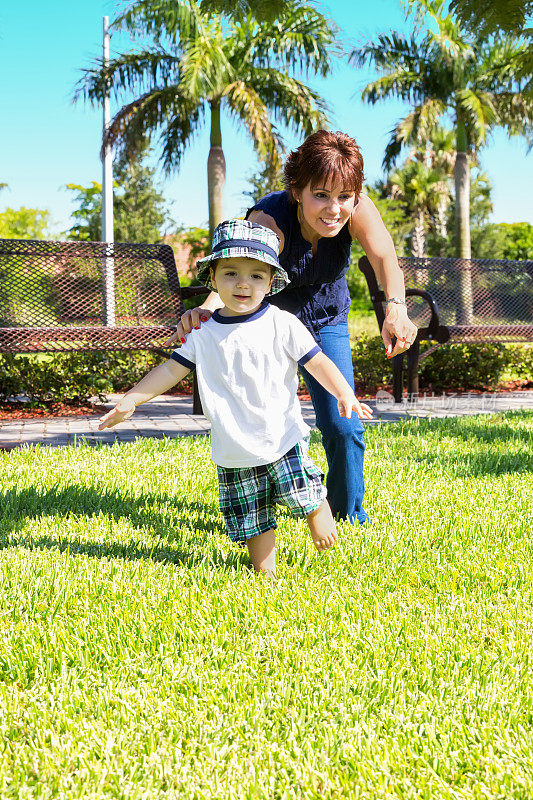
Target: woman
[{"x": 317, "y": 217}]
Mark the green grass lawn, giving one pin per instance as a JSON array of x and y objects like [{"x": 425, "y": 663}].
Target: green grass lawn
[{"x": 140, "y": 658}]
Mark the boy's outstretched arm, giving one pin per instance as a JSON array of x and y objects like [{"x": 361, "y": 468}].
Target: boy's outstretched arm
[
  {"x": 331, "y": 378},
  {"x": 156, "y": 382}
]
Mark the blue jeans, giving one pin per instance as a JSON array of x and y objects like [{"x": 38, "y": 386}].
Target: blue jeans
[{"x": 342, "y": 438}]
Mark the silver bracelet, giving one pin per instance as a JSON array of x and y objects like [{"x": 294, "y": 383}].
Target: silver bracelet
[{"x": 397, "y": 300}]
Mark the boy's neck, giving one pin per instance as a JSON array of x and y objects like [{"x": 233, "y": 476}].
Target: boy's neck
[{"x": 228, "y": 312}]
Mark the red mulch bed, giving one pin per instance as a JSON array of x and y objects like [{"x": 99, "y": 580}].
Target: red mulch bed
[{"x": 13, "y": 411}]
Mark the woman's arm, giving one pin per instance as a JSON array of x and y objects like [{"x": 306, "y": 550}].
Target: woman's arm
[
  {"x": 367, "y": 226},
  {"x": 193, "y": 319},
  {"x": 269, "y": 222}
]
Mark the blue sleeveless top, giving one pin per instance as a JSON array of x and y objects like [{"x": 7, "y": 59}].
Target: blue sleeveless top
[{"x": 318, "y": 293}]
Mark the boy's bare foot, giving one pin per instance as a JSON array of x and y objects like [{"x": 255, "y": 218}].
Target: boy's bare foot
[{"x": 322, "y": 527}]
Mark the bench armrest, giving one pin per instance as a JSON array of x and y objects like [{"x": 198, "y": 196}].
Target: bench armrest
[
  {"x": 434, "y": 329},
  {"x": 434, "y": 325}
]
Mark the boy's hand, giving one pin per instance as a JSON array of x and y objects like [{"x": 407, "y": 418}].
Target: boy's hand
[
  {"x": 123, "y": 410},
  {"x": 348, "y": 402}
]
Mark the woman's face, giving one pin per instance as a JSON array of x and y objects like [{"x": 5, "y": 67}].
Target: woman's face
[{"x": 325, "y": 208}]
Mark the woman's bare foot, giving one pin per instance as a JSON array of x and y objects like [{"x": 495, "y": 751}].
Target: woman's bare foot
[{"x": 322, "y": 527}]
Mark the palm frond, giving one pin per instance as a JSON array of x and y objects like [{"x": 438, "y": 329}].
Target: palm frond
[
  {"x": 414, "y": 129},
  {"x": 265, "y": 11},
  {"x": 136, "y": 121},
  {"x": 402, "y": 84},
  {"x": 177, "y": 135},
  {"x": 136, "y": 72},
  {"x": 478, "y": 112},
  {"x": 205, "y": 68},
  {"x": 290, "y": 101},
  {"x": 244, "y": 102},
  {"x": 392, "y": 51},
  {"x": 176, "y": 19},
  {"x": 300, "y": 38},
  {"x": 487, "y": 16},
  {"x": 515, "y": 112},
  {"x": 449, "y": 37}
]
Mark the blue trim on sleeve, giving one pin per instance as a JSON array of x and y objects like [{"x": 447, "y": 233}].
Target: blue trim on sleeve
[
  {"x": 182, "y": 360},
  {"x": 308, "y": 356}
]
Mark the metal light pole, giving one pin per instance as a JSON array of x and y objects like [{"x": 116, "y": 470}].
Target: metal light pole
[{"x": 107, "y": 199}]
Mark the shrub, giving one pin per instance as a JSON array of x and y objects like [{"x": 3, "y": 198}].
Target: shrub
[
  {"x": 73, "y": 377},
  {"x": 483, "y": 365},
  {"x": 372, "y": 369},
  {"x": 464, "y": 366},
  {"x": 76, "y": 377}
]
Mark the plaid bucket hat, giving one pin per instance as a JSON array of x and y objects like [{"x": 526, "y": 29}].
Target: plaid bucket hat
[{"x": 240, "y": 237}]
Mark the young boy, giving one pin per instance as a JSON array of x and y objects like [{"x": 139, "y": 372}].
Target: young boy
[{"x": 246, "y": 358}]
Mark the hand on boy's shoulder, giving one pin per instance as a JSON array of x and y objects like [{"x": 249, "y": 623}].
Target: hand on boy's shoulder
[{"x": 190, "y": 320}]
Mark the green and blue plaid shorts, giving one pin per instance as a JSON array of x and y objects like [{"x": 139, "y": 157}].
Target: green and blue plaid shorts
[{"x": 248, "y": 495}]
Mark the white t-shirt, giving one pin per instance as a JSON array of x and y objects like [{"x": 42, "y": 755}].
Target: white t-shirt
[{"x": 247, "y": 378}]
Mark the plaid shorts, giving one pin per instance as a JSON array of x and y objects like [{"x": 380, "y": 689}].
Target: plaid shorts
[{"x": 248, "y": 495}]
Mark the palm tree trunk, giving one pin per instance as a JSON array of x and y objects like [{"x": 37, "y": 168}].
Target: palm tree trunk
[
  {"x": 440, "y": 218},
  {"x": 418, "y": 241},
  {"x": 461, "y": 173},
  {"x": 216, "y": 170}
]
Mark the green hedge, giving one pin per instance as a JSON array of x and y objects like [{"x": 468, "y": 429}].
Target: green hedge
[
  {"x": 450, "y": 367},
  {"x": 75, "y": 377},
  {"x": 72, "y": 377}
]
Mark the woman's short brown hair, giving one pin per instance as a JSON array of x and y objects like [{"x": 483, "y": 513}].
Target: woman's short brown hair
[{"x": 323, "y": 156}]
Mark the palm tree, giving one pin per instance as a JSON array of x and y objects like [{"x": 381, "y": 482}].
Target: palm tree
[
  {"x": 437, "y": 152},
  {"x": 442, "y": 156},
  {"x": 200, "y": 65},
  {"x": 450, "y": 73},
  {"x": 417, "y": 186}
]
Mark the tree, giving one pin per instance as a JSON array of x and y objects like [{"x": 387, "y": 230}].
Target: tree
[
  {"x": 450, "y": 73},
  {"x": 266, "y": 10},
  {"x": 139, "y": 210},
  {"x": 263, "y": 181},
  {"x": 139, "y": 207},
  {"x": 488, "y": 16},
  {"x": 24, "y": 223},
  {"x": 200, "y": 65},
  {"x": 418, "y": 187},
  {"x": 517, "y": 240},
  {"x": 88, "y": 214}
]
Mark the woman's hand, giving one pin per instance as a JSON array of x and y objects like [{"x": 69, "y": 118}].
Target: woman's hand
[
  {"x": 192, "y": 319},
  {"x": 397, "y": 324}
]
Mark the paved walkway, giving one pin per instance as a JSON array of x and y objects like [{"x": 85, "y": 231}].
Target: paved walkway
[{"x": 172, "y": 416}]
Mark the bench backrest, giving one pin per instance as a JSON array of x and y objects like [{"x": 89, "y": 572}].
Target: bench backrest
[
  {"x": 472, "y": 295},
  {"x": 87, "y": 285}
]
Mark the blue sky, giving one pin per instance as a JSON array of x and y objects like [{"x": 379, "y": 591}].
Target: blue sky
[{"x": 46, "y": 141}]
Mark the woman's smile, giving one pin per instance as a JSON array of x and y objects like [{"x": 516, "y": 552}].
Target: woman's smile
[{"x": 325, "y": 209}]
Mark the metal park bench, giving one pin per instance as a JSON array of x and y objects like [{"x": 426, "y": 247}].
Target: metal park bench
[
  {"x": 455, "y": 300},
  {"x": 71, "y": 296}
]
